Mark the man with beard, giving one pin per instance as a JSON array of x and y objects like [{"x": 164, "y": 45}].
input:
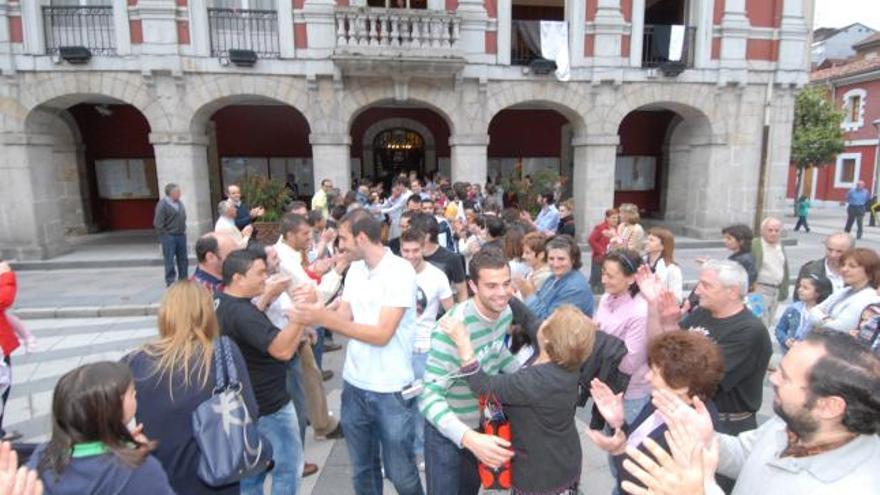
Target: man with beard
[
  {"x": 452, "y": 443},
  {"x": 823, "y": 439}
]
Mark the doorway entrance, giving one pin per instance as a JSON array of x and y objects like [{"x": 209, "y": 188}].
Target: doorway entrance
[{"x": 398, "y": 150}]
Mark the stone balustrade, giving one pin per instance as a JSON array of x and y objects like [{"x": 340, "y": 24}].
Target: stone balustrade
[{"x": 420, "y": 32}]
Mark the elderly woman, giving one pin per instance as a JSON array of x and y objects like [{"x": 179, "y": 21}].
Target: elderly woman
[
  {"x": 226, "y": 224},
  {"x": 567, "y": 285},
  {"x": 860, "y": 270},
  {"x": 687, "y": 364},
  {"x": 538, "y": 400}
]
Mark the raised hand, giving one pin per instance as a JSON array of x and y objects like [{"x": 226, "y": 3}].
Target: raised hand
[
  {"x": 610, "y": 405},
  {"x": 16, "y": 480},
  {"x": 649, "y": 283},
  {"x": 680, "y": 416},
  {"x": 666, "y": 475},
  {"x": 613, "y": 444},
  {"x": 670, "y": 312}
]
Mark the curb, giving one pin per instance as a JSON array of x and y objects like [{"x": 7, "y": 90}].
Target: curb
[{"x": 87, "y": 311}]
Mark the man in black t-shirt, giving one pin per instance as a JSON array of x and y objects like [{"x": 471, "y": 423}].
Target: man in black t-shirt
[
  {"x": 450, "y": 263},
  {"x": 266, "y": 350},
  {"x": 742, "y": 337}
]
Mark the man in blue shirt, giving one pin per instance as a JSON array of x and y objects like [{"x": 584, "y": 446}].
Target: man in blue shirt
[
  {"x": 548, "y": 218},
  {"x": 856, "y": 202}
]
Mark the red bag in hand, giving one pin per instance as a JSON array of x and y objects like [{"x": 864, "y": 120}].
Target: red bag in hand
[{"x": 494, "y": 422}]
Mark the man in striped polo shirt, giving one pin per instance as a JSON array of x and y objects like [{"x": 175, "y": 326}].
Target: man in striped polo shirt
[{"x": 452, "y": 445}]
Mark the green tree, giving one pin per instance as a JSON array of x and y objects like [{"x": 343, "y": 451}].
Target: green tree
[{"x": 816, "y": 136}]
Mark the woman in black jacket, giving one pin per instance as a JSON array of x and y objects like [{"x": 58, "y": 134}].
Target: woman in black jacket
[
  {"x": 539, "y": 400},
  {"x": 566, "y": 218}
]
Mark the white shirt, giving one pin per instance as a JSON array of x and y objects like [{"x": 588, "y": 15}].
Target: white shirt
[
  {"x": 670, "y": 276},
  {"x": 772, "y": 265},
  {"x": 226, "y": 225},
  {"x": 433, "y": 287},
  {"x": 835, "y": 278},
  {"x": 391, "y": 284},
  {"x": 290, "y": 261}
]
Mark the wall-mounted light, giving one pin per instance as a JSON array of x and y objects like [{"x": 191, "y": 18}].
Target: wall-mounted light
[{"x": 76, "y": 55}]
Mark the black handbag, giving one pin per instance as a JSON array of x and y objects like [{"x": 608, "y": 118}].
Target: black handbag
[{"x": 231, "y": 447}]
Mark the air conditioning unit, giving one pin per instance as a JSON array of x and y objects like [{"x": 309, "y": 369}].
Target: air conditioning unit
[
  {"x": 243, "y": 58},
  {"x": 76, "y": 55}
]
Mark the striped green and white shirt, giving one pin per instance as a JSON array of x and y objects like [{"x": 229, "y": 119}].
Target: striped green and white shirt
[{"x": 446, "y": 402}]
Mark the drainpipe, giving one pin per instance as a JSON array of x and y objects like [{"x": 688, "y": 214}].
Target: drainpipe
[{"x": 765, "y": 158}]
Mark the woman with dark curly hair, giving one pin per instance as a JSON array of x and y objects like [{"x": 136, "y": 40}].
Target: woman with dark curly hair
[
  {"x": 688, "y": 364},
  {"x": 738, "y": 238}
]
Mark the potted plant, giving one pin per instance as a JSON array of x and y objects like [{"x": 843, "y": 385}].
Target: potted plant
[
  {"x": 274, "y": 196},
  {"x": 528, "y": 189}
]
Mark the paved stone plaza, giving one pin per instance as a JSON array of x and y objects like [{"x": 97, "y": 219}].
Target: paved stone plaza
[{"x": 65, "y": 343}]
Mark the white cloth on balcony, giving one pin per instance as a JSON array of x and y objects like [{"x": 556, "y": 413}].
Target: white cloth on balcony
[
  {"x": 676, "y": 43},
  {"x": 554, "y": 46}
]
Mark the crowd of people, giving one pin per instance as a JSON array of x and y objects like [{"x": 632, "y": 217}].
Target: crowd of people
[{"x": 474, "y": 333}]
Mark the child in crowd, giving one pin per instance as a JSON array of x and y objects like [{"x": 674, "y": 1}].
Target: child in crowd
[
  {"x": 92, "y": 450},
  {"x": 795, "y": 322}
]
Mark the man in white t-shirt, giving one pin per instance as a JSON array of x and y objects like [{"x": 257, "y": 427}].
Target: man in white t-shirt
[
  {"x": 432, "y": 292},
  {"x": 377, "y": 311}
]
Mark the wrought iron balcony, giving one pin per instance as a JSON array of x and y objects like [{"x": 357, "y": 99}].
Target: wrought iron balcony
[
  {"x": 668, "y": 46},
  {"x": 238, "y": 29},
  {"x": 89, "y": 27}
]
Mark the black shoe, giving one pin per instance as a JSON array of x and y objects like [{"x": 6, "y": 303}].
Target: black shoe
[
  {"x": 326, "y": 375},
  {"x": 331, "y": 346},
  {"x": 11, "y": 436},
  {"x": 336, "y": 433}
]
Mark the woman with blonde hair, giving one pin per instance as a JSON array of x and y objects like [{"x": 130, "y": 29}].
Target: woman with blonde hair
[
  {"x": 630, "y": 234},
  {"x": 174, "y": 374}
]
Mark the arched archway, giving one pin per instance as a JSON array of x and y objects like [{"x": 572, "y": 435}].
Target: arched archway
[
  {"x": 429, "y": 148},
  {"x": 663, "y": 162}
]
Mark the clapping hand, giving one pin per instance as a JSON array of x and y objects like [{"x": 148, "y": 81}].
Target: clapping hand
[
  {"x": 247, "y": 230},
  {"x": 16, "y": 480},
  {"x": 456, "y": 330},
  {"x": 610, "y": 405},
  {"x": 649, "y": 284},
  {"x": 677, "y": 414},
  {"x": 669, "y": 475}
]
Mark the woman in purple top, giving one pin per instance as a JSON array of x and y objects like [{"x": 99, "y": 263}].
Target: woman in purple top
[{"x": 623, "y": 313}]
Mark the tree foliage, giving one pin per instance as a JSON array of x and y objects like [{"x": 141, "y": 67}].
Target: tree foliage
[{"x": 816, "y": 136}]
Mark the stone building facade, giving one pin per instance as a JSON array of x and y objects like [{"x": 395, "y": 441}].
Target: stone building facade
[{"x": 332, "y": 65}]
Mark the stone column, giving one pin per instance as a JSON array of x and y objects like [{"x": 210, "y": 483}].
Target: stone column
[
  {"x": 182, "y": 158},
  {"x": 505, "y": 25},
  {"x": 199, "y": 27},
  {"x": 331, "y": 159},
  {"x": 159, "y": 23},
  {"x": 30, "y": 222},
  {"x": 703, "y": 48},
  {"x": 320, "y": 26},
  {"x": 468, "y": 158},
  {"x": 595, "y": 157},
  {"x": 285, "y": 30},
  {"x": 781, "y": 122},
  {"x": 637, "y": 33},
  {"x": 473, "y": 28},
  {"x": 734, "y": 37},
  {"x": 792, "y": 37},
  {"x": 121, "y": 27},
  {"x": 609, "y": 33}
]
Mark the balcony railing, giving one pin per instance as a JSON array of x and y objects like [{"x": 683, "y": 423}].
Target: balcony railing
[
  {"x": 360, "y": 28},
  {"x": 664, "y": 44},
  {"x": 236, "y": 29},
  {"x": 89, "y": 27}
]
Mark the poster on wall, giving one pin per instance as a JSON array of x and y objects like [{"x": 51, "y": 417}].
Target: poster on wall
[
  {"x": 126, "y": 179},
  {"x": 635, "y": 173},
  {"x": 235, "y": 167}
]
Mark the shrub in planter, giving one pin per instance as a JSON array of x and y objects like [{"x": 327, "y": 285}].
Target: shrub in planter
[{"x": 274, "y": 196}]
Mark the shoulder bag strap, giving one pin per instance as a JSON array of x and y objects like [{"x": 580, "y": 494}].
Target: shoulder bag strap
[
  {"x": 231, "y": 371},
  {"x": 219, "y": 364}
]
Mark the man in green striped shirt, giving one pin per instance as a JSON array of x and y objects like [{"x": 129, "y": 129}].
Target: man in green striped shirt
[{"x": 452, "y": 445}]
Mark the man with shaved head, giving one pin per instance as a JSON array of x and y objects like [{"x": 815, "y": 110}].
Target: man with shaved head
[
  {"x": 828, "y": 266},
  {"x": 772, "y": 264}
]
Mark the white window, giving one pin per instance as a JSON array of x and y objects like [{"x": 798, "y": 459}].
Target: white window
[
  {"x": 854, "y": 109},
  {"x": 846, "y": 171}
]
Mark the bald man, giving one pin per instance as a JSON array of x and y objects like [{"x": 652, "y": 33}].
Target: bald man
[
  {"x": 828, "y": 266},
  {"x": 211, "y": 249},
  {"x": 772, "y": 264}
]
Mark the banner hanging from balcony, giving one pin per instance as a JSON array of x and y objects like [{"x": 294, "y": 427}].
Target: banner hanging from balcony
[{"x": 554, "y": 46}]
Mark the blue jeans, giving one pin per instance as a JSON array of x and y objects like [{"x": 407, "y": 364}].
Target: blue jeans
[
  {"x": 419, "y": 360},
  {"x": 298, "y": 395},
  {"x": 174, "y": 247},
  {"x": 448, "y": 469},
  {"x": 281, "y": 428},
  {"x": 371, "y": 420}
]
